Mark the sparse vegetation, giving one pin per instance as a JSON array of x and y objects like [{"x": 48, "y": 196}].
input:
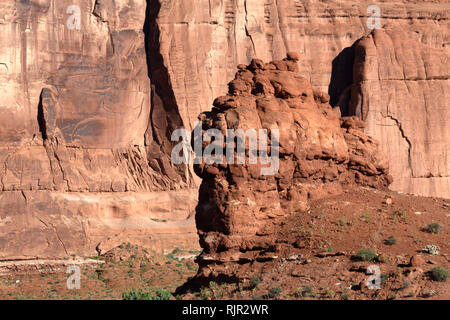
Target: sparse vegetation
[
  {"x": 205, "y": 293},
  {"x": 158, "y": 294},
  {"x": 275, "y": 292},
  {"x": 399, "y": 216},
  {"x": 254, "y": 282},
  {"x": 366, "y": 255},
  {"x": 439, "y": 274},
  {"x": 329, "y": 293},
  {"x": 213, "y": 285},
  {"x": 384, "y": 277},
  {"x": 433, "y": 228},
  {"x": 391, "y": 241},
  {"x": 306, "y": 292}
]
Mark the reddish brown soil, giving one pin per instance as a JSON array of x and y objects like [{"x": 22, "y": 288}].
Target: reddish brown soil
[
  {"x": 335, "y": 229},
  {"x": 122, "y": 269},
  {"x": 326, "y": 237}
]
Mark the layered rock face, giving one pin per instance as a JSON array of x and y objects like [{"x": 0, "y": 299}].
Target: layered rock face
[
  {"x": 320, "y": 154},
  {"x": 202, "y": 41},
  {"x": 91, "y": 90},
  {"x": 85, "y": 158},
  {"x": 401, "y": 88}
]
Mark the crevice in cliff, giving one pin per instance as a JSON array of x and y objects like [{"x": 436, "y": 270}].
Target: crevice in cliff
[
  {"x": 246, "y": 28},
  {"x": 165, "y": 116},
  {"x": 96, "y": 12},
  {"x": 404, "y": 136},
  {"x": 50, "y": 142},
  {"x": 41, "y": 119},
  {"x": 342, "y": 79}
]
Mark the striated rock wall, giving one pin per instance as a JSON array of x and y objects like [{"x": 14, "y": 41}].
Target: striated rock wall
[
  {"x": 88, "y": 102},
  {"x": 320, "y": 155},
  {"x": 401, "y": 88},
  {"x": 201, "y": 42},
  {"x": 84, "y": 155}
]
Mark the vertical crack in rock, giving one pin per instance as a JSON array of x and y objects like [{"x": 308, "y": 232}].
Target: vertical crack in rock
[
  {"x": 246, "y": 27},
  {"x": 342, "y": 79},
  {"x": 165, "y": 117},
  {"x": 46, "y": 117},
  {"x": 96, "y": 12},
  {"x": 402, "y": 132},
  {"x": 41, "y": 118}
]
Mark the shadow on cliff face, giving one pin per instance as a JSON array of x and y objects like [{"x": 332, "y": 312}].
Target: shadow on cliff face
[
  {"x": 164, "y": 115},
  {"x": 342, "y": 79}
]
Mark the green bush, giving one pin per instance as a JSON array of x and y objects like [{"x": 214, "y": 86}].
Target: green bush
[
  {"x": 384, "y": 277},
  {"x": 158, "y": 294},
  {"x": 366, "y": 255},
  {"x": 439, "y": 274},
  {"x": 306, "y": 292},
  {"x": 254, "y": 282},
  {"x": 391, "y": 241},
  {"x": 205, "y": 293},
  {"x": 212, "y": 285},
  {"x": 329, "y": 293},
  {"x": 433, "y": 228},
  {"x": 275, "y": 292}
]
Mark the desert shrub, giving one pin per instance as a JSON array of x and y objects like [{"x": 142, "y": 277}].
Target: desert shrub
[
  {"x": 275, "y": 292},
  {"x": 213, "y": 285},
  {"x": 158, "y": 294},
  {"x": 329, "y": 293},
  {"x": 433, "y": 228},
  {"x": 391, "y": 241},
  {"x": 306, "y": 291},
  {"x": 384, "y": 277},
  {"x": 366, "y": 255},
  {"x": 254, "y": 282},
  {"x": 205, "y": 293},
  {"x": 439, "y": 274}
]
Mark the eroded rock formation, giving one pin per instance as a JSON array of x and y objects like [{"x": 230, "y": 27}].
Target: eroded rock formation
[
  {"x": 320, "y": 154},
  {"x": 88, "y": 104}
]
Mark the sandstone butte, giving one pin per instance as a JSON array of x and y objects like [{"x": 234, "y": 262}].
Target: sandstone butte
[
  {"x": 86, "y": 113},
  {"x": 320, "y": 154}
]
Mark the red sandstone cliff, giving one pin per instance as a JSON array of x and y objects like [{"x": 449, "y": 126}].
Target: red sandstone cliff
[{"x": 86, "y": 114}]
